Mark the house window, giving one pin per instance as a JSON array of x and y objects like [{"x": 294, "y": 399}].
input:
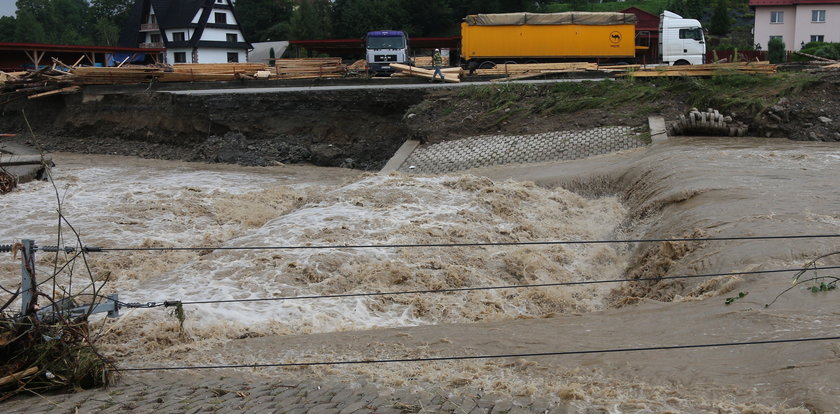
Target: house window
[
  {"x": 221, "y": 18},
  {"x": 776, "y": 37},
  {"x": 178, "y": 37},
  {"x": 818, "y": 38},
  {"x": 233, "y": 57},
  {"x": 777, "y": 17},
  {"x": 180, "y": 57},
  {"x": 817, "y": 16},
  {"x": 232, "y": 37},
  {"x": 155, "y": 38},
  {"x": 152, "y": 19}
]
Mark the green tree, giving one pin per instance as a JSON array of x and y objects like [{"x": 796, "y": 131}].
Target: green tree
[
  {"x": 694, "y": 9},
  {"x": 264, "y": 20},
  {"x": 721, "y": 22},
  {"x": 53, "y": 21},
  {"x": 7, "y": 28},
  {"x": 776, "y": 50},
  {"x": 28, "y": 29},
  {"x": 106, "y": 32},
  {"x": 676, "y": 6},
  {"x": 312, "y": 20}
]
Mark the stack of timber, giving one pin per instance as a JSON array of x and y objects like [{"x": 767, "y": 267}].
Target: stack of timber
[
  {"x": 112, "y": 76},
  {"x": 514, "y": 71},
  {"x": 451, "y": 75},
  {"x": 211, "y": 72},
  {"x": 309, "y": 68},
  {"x": 715, "y": 69}
]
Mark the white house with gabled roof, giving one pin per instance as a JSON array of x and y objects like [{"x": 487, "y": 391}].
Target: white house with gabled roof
[{"x": 192, "y": 31}]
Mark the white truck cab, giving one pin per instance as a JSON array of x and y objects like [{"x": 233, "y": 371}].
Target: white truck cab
[{"x": 681, "y": 41}]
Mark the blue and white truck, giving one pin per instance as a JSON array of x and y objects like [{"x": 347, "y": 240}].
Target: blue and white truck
[{"x": 383, "y": 47}]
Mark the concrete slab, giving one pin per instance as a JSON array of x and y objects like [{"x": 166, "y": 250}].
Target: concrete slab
[
  {"x": 400, "y": 156},
  {"x": 658, "y": 131},
  {"x": 22, "y": 162}
]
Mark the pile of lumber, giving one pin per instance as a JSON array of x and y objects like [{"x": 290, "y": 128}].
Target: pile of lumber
[
  {"x": 452, "y": 75},
  {"x": 210, "y": 72},
  {"x": 764, "y": 68},
  {"x": 111, "y": 76},
  {"x": 309, "y": 68},
  {"x": 196, "y": 72},
  {"x": 35, "y": 84},
  {"x": 514, "y": 71}
]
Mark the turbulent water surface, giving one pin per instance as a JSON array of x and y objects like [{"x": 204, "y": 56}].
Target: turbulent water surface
[{"x": 697, "y": 188}]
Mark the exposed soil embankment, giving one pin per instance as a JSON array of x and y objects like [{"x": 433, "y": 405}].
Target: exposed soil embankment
[
  {"x": 362, "y": 128},
  {"x": 357, "y": 128}
]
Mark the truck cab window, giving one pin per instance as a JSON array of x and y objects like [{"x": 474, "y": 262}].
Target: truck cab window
[
  {"x": 695, "y": 33},
  {"x": 389, "y": 42}
]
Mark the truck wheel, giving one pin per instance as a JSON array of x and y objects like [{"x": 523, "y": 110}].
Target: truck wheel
[
  {"x": 681, "y": 62},
  {"x": 487, "y": 65}
]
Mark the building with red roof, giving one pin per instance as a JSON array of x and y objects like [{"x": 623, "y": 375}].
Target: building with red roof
[{"x": 796, "y": 22}]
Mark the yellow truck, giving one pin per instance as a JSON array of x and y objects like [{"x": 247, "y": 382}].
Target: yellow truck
[{"x": 488, "y": 39}]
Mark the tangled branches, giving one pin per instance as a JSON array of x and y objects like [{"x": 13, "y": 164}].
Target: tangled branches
[
  {"x": 47, "y": 347},
  {"x": 809, "y": 274}
]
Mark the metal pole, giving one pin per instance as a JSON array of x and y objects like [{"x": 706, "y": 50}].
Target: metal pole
[{"x": 27, "y": 273}]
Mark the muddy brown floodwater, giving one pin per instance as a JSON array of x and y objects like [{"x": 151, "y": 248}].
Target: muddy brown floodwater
[{"x": 683, "y": 188}]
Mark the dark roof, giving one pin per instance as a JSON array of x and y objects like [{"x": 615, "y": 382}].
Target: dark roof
[
  {"x": 74, "y": 48},
  {"x": 171, "y": 14}
]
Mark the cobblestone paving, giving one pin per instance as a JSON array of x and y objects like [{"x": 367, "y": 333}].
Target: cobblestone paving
[
  {"x": 485, "y": 151},
  {"x": 202, "y": 393}
]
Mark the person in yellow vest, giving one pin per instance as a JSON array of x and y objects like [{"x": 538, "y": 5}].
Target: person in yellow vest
[{"x": 437, "y": 61}]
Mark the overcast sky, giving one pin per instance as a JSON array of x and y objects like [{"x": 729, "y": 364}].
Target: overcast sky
[{"x": 7, "y": 8}]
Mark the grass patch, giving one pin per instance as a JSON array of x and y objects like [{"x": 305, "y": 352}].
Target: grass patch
[{"x": 746, "y": 93}]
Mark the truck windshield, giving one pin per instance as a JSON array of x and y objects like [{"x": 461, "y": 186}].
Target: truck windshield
[{"x": 386, "y": 42}]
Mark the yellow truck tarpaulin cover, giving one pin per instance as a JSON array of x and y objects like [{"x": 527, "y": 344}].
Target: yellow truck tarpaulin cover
[{"x": 582, "y": 18}]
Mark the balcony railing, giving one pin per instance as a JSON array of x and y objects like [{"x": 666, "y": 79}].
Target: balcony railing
[
  {"x": 149, "y": 27},
  {"x": 152, "y": 45}
]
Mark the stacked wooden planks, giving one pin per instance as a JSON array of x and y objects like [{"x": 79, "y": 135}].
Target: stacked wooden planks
[
  {"x": 515, "y": 71},
  {"x": 209, "y": 72},
  {"x": 309, "y": 68},
  {"x": 715, "y": 69},
  {"x": 113, "y": 76},
  {"x": 452, "y": 75},
  {"x": 197, "y": 72}
]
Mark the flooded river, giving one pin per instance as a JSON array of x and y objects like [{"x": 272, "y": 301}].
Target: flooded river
[{"x": 684, "y": 188}]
